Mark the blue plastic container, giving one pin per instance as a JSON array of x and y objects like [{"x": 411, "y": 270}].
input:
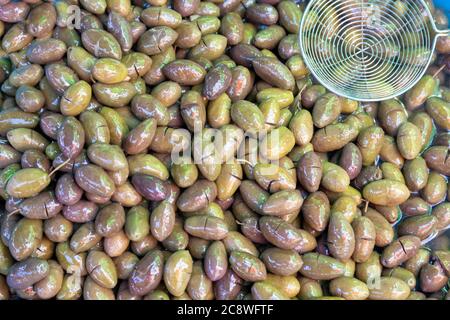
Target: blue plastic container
[{"x": 443, "y": 5}]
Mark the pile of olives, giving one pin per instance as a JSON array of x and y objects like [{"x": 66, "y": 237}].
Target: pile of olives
[{"x": 351, "y": 202}]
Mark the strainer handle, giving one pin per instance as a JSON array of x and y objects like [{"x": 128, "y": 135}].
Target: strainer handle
[
  {"x": 440, "y": 32},
  {"x": 443, "y": 33}
]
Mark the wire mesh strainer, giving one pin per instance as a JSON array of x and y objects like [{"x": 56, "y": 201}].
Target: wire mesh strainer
[{"x": 368, "y": 50}]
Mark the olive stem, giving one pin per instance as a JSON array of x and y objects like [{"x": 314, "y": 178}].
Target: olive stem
[
  {"x": 297, "y": 100},
  {"x": 59, "y": 167},
  {"x": 366, "y": 205},
  {"x": 438, "y": 71},
  {"x": 246, "y": 162},
  {"x": 13, "y": 212}
]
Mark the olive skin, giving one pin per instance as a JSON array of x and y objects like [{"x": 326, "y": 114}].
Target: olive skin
[
  {"x": 177, "y": 272},
  {"x": 27, "y": 273},
  {"x": 25, "y": 238},
  {"x": 386, "y": 192}
]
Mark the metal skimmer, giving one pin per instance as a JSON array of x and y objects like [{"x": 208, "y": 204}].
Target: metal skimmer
[{"x": 368, "y": 50}]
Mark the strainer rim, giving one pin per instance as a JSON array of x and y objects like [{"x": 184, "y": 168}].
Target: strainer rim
[{"x": 352, "y": 97}]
